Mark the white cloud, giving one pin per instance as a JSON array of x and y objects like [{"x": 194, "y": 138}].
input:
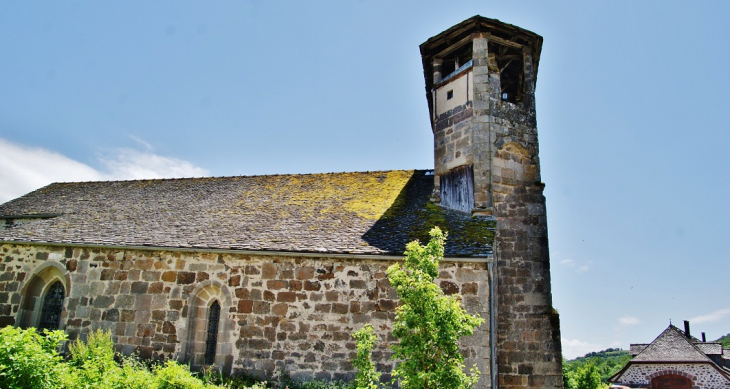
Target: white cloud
[
  {"x": 571, "y": 263},
  {"x": 573, "y": 348},
  {"x": 629, "y": 321},
  {"x": 24, "y": 168},
  {"x": 142, "y": 142},
  {"x": 132, "y": 164},
  {"x": 568, "y": 262},
  {"x": 711, "y": 317}
]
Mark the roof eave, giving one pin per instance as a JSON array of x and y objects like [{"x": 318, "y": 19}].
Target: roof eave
[{"x": 308, "y": 254}]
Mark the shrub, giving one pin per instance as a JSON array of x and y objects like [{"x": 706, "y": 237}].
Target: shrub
[
  {"x": 30, "y": 360},
  {"x": 93, "y": 362},
  {"x": 367, "y": 377},
  {"x": 316, "y": 384},
  {"x": 172, "y": 375},
  {"x": 428, "y": 324},
  {"x": 135, "y": 374},
  {"x": 240, "y": 381}
]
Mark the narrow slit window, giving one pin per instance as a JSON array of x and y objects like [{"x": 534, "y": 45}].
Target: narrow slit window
[
  {"x": 52, "y": 307},
  {"x": 211, "y": 340},
  {"x": 449, "y": 95}
]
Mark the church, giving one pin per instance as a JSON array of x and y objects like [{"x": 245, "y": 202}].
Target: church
[{"x": 270, "y": 275}]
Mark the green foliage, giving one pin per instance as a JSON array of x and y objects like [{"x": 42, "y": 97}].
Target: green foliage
[
  {"x": 240, "y": 381},
  {"x": 725, "y": 340},
  {"x": 587, "y": 377},
  {"x": 316, "y": 384},
  {"x": 428, "y": 323},
  {"x": 607, "y": 363},
  {"x": 135, "y": 374},
  {"x": 367, "y": 377},
  {"x": 173, "y": 375},
  {"x": 30, "y": 360},
  {"x": 285, "y": 382},
  {"x": 93, "y": 362},
  {"x": 568, "y": 383}
]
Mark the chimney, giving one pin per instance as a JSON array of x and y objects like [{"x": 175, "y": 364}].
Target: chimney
[
  {"x": 686, "y": 328},
  {"x": 704, "y": 339}
]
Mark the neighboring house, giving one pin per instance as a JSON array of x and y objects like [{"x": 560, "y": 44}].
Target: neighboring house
[
  {"x": 272, "y": 274},
  {"x": 676, "y": 360}
]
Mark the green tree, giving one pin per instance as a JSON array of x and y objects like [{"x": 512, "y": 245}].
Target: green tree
[
  {"x": 428, "y": 324},
  {"x": 725, "y": 340},
  {"x": 587, "y": 377},
  {"x": 367, "y": 377},
  {"x": 568, "y": 382},
  {"x": 608, "y": 362},
  {"x": 29, "y": 360}
]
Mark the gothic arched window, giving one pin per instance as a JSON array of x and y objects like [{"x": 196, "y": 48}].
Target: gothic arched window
[
  {"x": 52, "y": 307},
  {"x": 211, "y": 339},
  {"x": 42, "y": 298},
  {"x": 206, "y": 338}
]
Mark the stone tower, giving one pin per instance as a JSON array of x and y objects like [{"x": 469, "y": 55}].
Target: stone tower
[{"x": 480, "y": 85}]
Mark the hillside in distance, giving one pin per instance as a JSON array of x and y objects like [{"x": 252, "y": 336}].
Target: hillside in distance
[
  {"x": 608, "y": 362},
  {"x": 725, "y": 340}
]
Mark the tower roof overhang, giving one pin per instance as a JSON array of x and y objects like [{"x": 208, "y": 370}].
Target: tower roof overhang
[{"x": 500, "y": 33}]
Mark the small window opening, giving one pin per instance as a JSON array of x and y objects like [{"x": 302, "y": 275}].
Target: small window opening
[
  {"x": 455, "y": 59},
  {"x": 211, "y": 341},
  {"x": 511, "y": 71},
  {"x": 52, "y": 307},
  {"x": 449, "y": 95}
]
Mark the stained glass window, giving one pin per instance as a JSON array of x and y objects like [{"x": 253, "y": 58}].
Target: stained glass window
[
  {"x": 52, "y": 307},
  {"x": 211, "y": 340}
]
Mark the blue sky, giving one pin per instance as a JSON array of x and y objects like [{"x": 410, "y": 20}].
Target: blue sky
[{"x": 631, "y": 99}]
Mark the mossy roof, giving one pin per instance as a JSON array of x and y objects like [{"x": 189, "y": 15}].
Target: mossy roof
[{"x": 349, "y": 213}]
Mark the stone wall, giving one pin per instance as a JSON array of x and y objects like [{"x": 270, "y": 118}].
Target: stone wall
[
  {"x": 278, "y": 313},
  {"x": 528, "y": 328},
  {"x": 702, "y": 375},
  {"x": 452, "y": 139}
]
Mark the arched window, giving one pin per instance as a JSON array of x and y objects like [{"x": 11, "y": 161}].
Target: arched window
[
  {"x": 211, "y": 340},
  {"x": 206, "y": 337},
  {"x": 52, "y": 307},
  {"x": 43, "y": 298}
]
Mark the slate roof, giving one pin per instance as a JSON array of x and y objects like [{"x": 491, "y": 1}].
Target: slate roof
[
  {"x": 348, "y": 213},
  {"x": 709, "y": 348},
  {"x": 636, "y": 348},
  {"x": 671, "y": 346}
]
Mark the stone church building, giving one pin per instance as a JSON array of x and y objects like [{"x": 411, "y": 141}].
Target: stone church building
[{"x": 270, "y": 275}]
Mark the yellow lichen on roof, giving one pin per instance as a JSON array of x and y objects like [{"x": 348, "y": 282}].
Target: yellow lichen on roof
[{"x": 369, "y": 195}]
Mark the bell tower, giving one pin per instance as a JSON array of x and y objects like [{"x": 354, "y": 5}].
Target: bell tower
[{"x": 480, "y": 85}]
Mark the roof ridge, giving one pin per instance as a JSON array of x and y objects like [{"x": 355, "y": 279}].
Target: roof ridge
[
  {"x": 654, "y": 347},
  {"x": 232, "y": 176}
]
